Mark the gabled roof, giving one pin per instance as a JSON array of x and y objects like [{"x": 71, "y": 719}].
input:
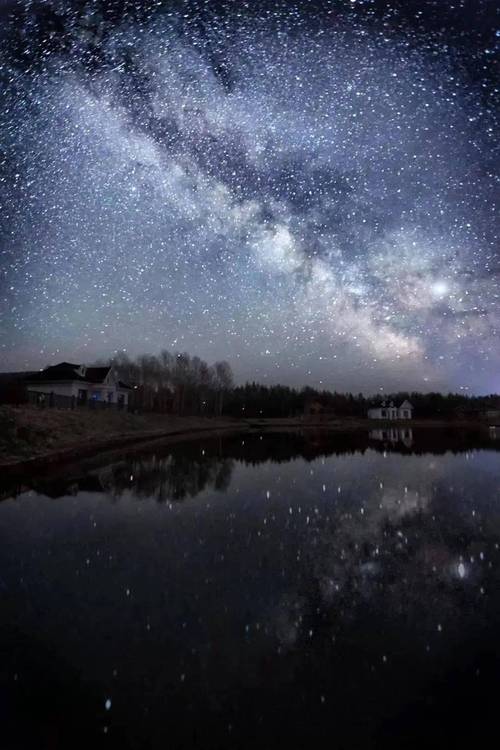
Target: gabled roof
[
  {"x": 63, "y": 365},
  {"x": 390, "y": 405},
  {"x": 96, "y": 374},
  {"x": 56, "y": 373},
  {"x": 68, "y": 371}
]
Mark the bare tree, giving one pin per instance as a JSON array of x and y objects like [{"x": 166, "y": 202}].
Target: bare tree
[
  {"x": 223, "y": 383},
  {"x": 175, "y": 382}
]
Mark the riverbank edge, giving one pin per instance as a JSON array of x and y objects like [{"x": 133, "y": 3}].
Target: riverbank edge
[{"x": 85, "y": 449}]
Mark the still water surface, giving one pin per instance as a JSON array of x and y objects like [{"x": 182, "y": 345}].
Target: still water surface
[{"x": 265, "y": 591}]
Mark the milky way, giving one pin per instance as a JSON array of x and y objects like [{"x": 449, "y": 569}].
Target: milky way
[{"x": 306, "y": 191}]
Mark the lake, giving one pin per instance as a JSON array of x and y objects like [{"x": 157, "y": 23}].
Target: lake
[{"x": 257, "y": 591}]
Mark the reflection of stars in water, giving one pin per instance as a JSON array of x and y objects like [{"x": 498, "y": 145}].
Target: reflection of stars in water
[{"x": 312, "y": 202}]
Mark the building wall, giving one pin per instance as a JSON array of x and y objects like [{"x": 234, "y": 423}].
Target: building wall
[
  {"x": 105, "y": 391},
  {"x": 94, "y": 391},
  {"x": 404, "y": 413},
  {"x": 60, "y": 389},
  {"x": 123, "y": 393},
  {"x": 100, "y": 392},
  {"x": 388, "y": 412}
]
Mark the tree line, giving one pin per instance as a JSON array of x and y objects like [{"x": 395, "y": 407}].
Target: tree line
[
  {"x": 256, "y": 400},
  {"x": 185, "y": 385},
  {"x": 178, "y": 383},
  {"x": 175, "y": 382}
]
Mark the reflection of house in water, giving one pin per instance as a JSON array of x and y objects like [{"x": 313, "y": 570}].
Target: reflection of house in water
[{"x": 393, "y": 435}]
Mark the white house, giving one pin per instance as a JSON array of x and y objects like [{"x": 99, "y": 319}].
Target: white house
[
  {"x": 389, "y": 411},
  {"x": 79, "y": 383}
]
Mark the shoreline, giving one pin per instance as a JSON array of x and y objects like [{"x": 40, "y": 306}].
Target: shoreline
[
  {"x": 84, "y": 449},
  {"x": 178, "y": 429}
]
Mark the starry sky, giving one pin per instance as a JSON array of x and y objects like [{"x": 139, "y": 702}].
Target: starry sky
[{"x": 305, "y": 189}]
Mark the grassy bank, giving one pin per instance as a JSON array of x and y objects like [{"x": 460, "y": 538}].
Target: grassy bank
[
  {"x": 40, "y": 436},
  {"x": 29, "y": 434}
]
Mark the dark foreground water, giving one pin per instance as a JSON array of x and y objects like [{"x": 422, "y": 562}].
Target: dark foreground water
[{"x": 257, "y": 592}]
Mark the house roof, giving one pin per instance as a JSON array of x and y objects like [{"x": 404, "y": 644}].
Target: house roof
[
  {"x": 68, "y": 371},
  {"x": 96, "y": 374},
  {"x": 56, "y": 373},
  {"x": 63, "y": 364},
  {"x": 383, "y": 405}
]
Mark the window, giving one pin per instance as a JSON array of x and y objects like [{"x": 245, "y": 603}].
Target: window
[{"x": 384, "y": 413}]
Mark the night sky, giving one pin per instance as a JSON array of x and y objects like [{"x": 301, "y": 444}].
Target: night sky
[{"x": 304, "y": 189}]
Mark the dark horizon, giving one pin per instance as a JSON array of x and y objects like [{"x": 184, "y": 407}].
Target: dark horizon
[{"x": 143, "y": 373}]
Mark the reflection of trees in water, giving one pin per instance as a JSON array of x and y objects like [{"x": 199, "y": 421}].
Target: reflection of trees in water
[
  {"x": 184, "y": 470},
  {"x": 174, "y": 477},
  {"x": 188, "y": 469}
]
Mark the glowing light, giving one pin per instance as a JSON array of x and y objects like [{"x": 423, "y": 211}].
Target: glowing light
[{"x": 440, "y": 288}]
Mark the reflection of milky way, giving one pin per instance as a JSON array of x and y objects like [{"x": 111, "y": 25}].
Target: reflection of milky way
[{"x": 314, "y": 204}]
